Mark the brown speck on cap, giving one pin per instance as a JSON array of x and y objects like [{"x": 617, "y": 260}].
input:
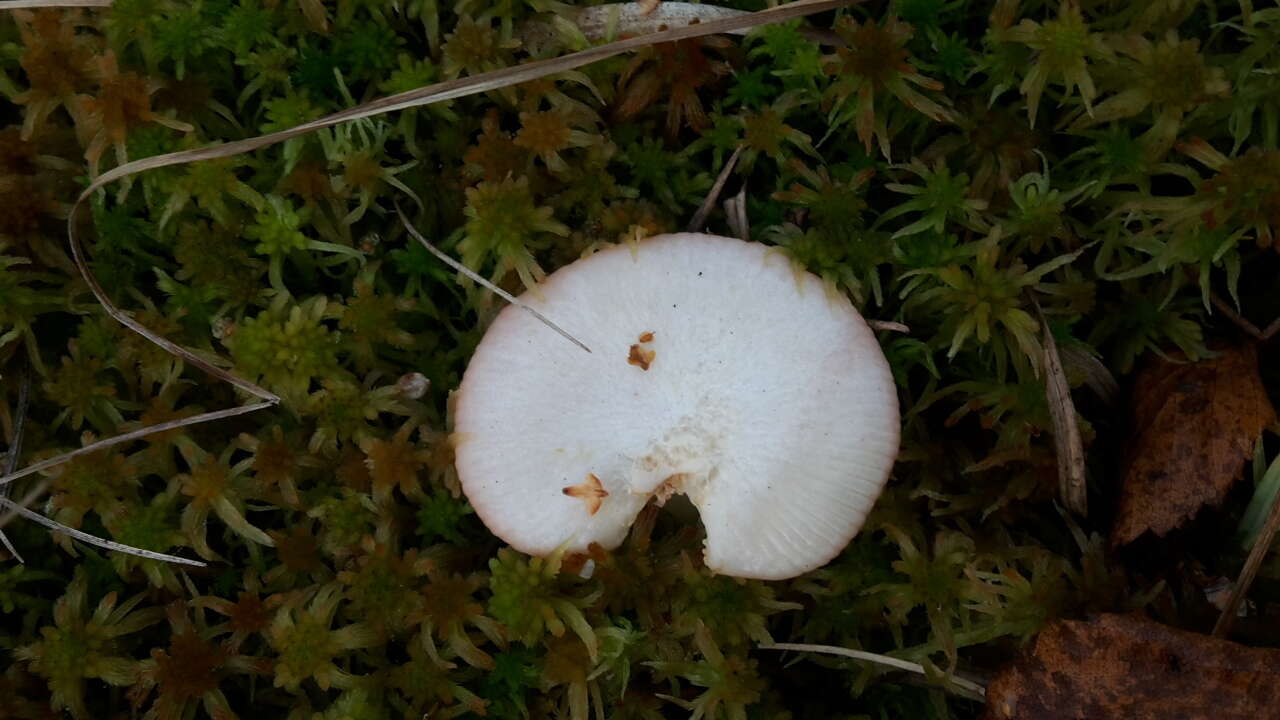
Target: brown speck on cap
[
  {"x": 646, "y": 336},
  {"x": 590, "y": 490},
  {"x": 641, "y": 357}
]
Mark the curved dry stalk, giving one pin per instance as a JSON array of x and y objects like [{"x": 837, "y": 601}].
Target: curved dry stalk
[
  {"x": 959, "y": 685},
  {"x": 472, "y": 274},
  {"x": 93, "y": 539},
  {"x": 134, "y": 435}
]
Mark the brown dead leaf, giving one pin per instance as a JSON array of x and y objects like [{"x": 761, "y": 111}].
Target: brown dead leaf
[
  {"x": 1130, "y": 668},
  {"x": 1194, "y": 426}
]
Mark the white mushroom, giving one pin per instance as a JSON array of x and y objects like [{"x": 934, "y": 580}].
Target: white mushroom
[{"x": 716, "y": 371}]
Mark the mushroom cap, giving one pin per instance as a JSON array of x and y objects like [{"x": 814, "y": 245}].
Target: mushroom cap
[{"x": 716, "y": 370}]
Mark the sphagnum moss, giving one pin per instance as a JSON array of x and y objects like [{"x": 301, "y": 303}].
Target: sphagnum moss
[{"x": 947, "y": 165}]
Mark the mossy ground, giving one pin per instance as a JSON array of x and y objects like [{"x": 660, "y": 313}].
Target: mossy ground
[{"x": 947, "y": 164}]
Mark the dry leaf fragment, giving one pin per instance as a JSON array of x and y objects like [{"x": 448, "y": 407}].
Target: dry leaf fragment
[
  {"x": 641, "y": 357},
  {"x": 1066, "y": 430},
  {"x": 1194, "y": 426},
  {"x": 1130, "y": 668},
  {"x": 622, "y": 19}
]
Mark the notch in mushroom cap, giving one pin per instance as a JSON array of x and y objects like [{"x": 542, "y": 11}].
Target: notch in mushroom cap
[{"x": 716, "y": 371}]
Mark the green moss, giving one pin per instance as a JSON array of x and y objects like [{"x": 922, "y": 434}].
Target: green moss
[{"x": 947, "y": 165}]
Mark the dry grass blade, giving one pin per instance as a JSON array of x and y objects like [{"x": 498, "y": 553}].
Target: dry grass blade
[
  {"x": 463, "y": 87},
  {"x": 37, "y": 4},
  {"x": 130, "y": 436},
  {"x": 92, "y": 540},
  {"x": 960, "y": 686},
  {"x": 699, "y": 220},
  {"x": 1066, "y": 431},
  {"x": 27, "y": 500},
  {"x": 438, "y": 92},
  {"x": 477, "y": 278},
  {"x": 20, "y": 508},
  {"x": 15, "y": 445},
  {"x": 82, "y": 264}
]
